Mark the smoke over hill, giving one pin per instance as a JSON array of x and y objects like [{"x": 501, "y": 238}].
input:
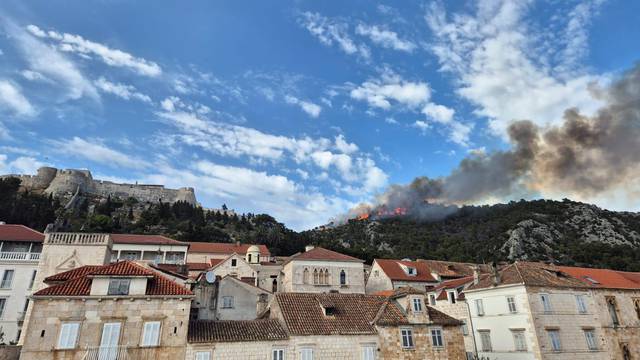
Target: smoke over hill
[{"x": 584, "y": 157}]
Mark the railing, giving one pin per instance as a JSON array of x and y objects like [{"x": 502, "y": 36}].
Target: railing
[
  {"x": 77, "y": 238},
  {"x": 20, "y": 256},
  {"x": 107, "y": 353}
]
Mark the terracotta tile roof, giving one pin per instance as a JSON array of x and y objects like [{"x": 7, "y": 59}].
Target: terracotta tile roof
[
  {"x": 386, "y": 293},
  {"x": 440, "y": 318},
  {"x": 452, "y": 269},
  {"x": 604, "y": 278},
  {"x": 453, "y": 284},
  {"x": 318, "y": 253},
  {"x": 196, "y": 266},
  {"x": 71, "y": 274},
  {"x": 406, "y": 290},
  {"x": 145, "y": 240},
  {"x": 214, "y": 262},
  {"x": 353, "y": 313},
  {"x": 209, "y": 331},
  {"x": 10, "y": 232},
  {"x": 78, "y": 281},
  {"x": 530, "y": 274},
  {"x": 172, "y": 269},
  {"x": 395, "y": 272},
  {"x": 224, "y": 248}
]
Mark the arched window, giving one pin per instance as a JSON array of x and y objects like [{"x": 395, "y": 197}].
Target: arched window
[
  {"x": 326, "y": 277},
  {"x": 316, "y": 278},
  {"x": 343, "y": 278},
  {"x": 249, "y": 258},
  {"x": 305, "y": 276},
  {"x": 274, "y": 286}
]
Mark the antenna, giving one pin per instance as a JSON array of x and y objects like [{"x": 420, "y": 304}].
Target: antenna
[{"x": 210, "y": 276}]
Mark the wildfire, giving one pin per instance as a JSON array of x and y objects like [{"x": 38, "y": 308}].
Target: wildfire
[{"x": 383, "y": 212}]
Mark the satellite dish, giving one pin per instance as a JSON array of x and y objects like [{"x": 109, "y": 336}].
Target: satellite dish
[{"x": 210, "y": 276}]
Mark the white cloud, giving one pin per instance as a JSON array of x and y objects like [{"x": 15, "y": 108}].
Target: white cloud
[
  {"x": 124, "y": 91},
  {"x": 390, "y": 88},
  {"x": 11, "y": 98},
  {"x": 112, "y": 57},
  {"x": 19, "y": 165},
  {"x": 385, "y": 38},
  {"x": 94, "y": 150},
  {"x": 439, "y": 113},
  {"x": 48, "y": 62},
  {"x": 422, "y": 125},
  {"x": 310, "y": 108},
  {"x": 345, "y": 147},
  {"x": 330, "y": 31},
  {"x": 504, "y": 70}
]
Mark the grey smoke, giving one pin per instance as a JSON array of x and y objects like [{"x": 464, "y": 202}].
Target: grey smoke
[{"x": 585, "y": 156}]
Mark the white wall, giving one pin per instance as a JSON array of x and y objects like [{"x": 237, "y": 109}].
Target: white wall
[
  {"x": 16, "y": 295},
  {"x": 293, "y": 276}
]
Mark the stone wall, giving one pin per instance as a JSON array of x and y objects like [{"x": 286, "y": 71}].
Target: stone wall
[
  {"x": 391, "y": 343},
  {"x": 48, "y": 314},
  {"x": 460, "y": 311},
  {"x": 293, "y": 280},
  {"x": 628, "y": 331},
  {"x": 65, "y": 182}
]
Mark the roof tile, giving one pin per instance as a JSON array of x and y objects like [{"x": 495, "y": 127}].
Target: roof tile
[
  {"x": 11, "y": 232},
  {"x": 207, "y": 331},
  {"x": 319, "y": 253},
  {"x": 224, "y": 248},
  {"x": 395, "y": 272}
]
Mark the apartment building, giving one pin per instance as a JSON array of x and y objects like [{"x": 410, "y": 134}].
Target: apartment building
[
  {"x": 227, "y": 298},
  {"x": 20, "y": 249},
  {"x": 318, "y": 270},
  {"x": 123, "y": 310},
  {"x": 535, "y": 311}
]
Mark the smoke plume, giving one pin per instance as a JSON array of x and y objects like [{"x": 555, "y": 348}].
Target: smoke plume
[{"x": 584, "y": 157}]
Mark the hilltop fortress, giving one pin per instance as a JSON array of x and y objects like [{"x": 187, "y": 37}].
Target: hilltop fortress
[{"x": 67, "y": 182}]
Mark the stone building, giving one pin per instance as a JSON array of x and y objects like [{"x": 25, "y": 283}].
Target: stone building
[
  {"x": 535, "y": 311},
  {"x": 616, "y": 295},
  {"x": 116, "y": 311},
  {"x": 389, "y": 274},
  {"x": 329, "y": 326},
  {"x": 227, "y": 298},
  {"x": 320, "y": 270},
  {"x": 20, "y": 250},
  {"x": 205, "y": 252}
]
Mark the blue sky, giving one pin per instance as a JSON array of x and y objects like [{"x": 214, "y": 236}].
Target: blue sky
[{"x": 298, "y": 109}]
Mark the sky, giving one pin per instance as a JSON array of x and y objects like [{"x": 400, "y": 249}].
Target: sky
[{"x": 298, "y": 109}]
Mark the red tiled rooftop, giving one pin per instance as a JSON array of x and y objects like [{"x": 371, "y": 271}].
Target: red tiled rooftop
[
  {"x": 197, "y": 266},
  {"x": 605, "y": 278},
  {"x": 78, "y": 281},
  {"x": 395, "y": 272},
  {"x": 455, "y": 283},
  {"x": 10, "y": 232},
  {"x": 318, "y": 253},
  {"x": 224, "y": 248},
  {"x": 207, "y": 331},
  {"x": 145, "y": 240}
]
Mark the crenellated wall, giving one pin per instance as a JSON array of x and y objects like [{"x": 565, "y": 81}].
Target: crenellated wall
[{"x": 64, "y": 182}]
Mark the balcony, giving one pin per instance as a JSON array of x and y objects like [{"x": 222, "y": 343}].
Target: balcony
[
  {"x": 107, "y": 353},
  {"x": 19, "y": 256}
]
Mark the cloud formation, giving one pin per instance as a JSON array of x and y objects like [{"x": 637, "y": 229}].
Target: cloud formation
[
  {"x": 11, "y": 98},
  {"x": 123, "y": 91},
  {"x": 385, "y": 38},
  {"x": 308, "y": 107},
  {"x": 332, "y": 31}
]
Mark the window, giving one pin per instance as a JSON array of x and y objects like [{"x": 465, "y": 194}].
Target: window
[
  {"x": 203, "y": 355},
  {"x": 343, "y": 278},
  {"x": 636, "y": 305},
  {"x": 511, "y": 303},
  {"x": 3, "y": 302},
  {"x": 479, "y": 307},
  {"x": 432, "y": 299},
  {"x": 407, "y": 338},
  {"x": 485, "y": 340},
  {"x": 369, "y": 352},
  {"x": 613, "y": 310},
  {"x": 581, "y": 304},
  {"x": 151, "y": 333},
  {"x": 626, "y": 354},
  {"x": 7, "y": 279},
  {"x": 68, "y": 335},
  {"x": 277, "y": 354},
  {"x": 452, "y": 297},
  {"x": 436, "y": 338},
  {"x": 519, "y": 342},
  {"x": 234, "y": 262},
  {"x": 554, "y": 338},
  {"x": 417, "y": 305},
  {"x": 33, "y": 279},
  {"x": 590, "y": 337},
  {"x": 546, "y": 303},
  {"x": 306, "y": 354},
  {"x": 411, "y": 271},
  {"x": 465, "y": 328},
  {"x": 305, "y": 276},
  {"x": 376, "y": 273},
  {"x": 227, "y": 302},
  {"x": 119, "y": 287},
  {"x": 316, "y": 277},
  {"x": 326, "y": 278}
]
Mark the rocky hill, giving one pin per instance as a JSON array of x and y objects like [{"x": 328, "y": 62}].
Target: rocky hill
[{"x": 566, "y": 232}]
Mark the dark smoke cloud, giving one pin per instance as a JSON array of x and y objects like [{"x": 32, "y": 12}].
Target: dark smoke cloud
[{"x": 584, "y": 157}]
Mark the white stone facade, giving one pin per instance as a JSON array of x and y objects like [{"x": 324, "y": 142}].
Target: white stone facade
[{"x": 295, "y": 280}]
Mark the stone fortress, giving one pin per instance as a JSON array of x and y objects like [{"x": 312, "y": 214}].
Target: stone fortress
[{"x": 61, "y": 183}]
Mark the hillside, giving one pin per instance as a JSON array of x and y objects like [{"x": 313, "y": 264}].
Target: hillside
[{"x": 563, "y": 231}]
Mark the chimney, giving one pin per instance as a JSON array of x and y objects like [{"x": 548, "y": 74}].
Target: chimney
[
  {"x": 238, "y": 243},
  {"x": 495, "y": 274},
  {"x": 309, "y": 248},
  {"x": 476, "y": 275}
]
